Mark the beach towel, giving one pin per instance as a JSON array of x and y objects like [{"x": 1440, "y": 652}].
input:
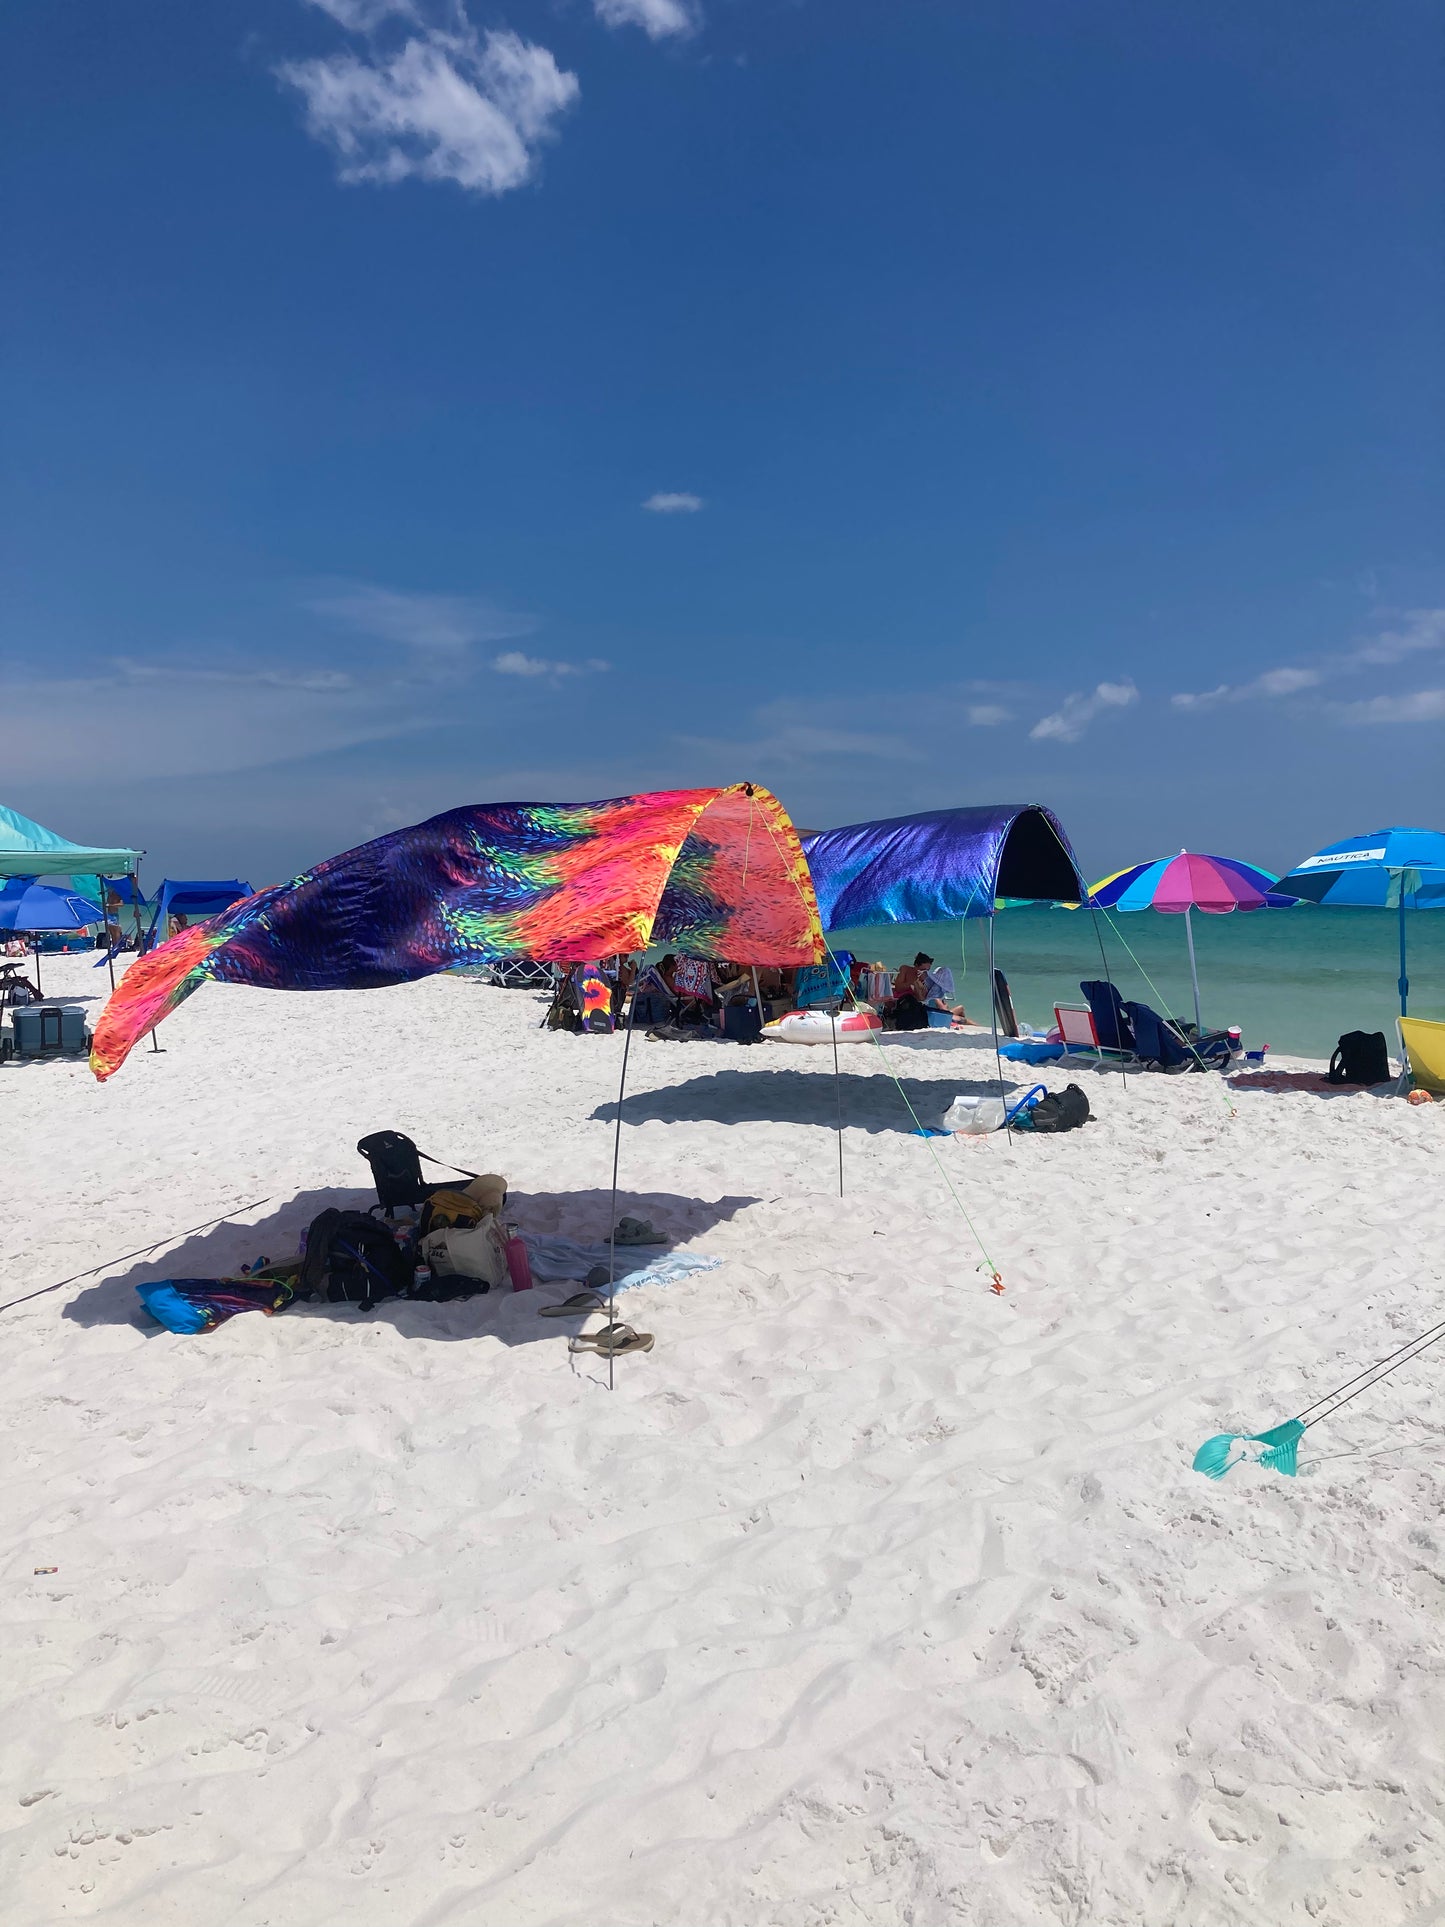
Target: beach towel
[
  {"x": 556, "y": 1259},
  {"x": 200, "y": 1304}
]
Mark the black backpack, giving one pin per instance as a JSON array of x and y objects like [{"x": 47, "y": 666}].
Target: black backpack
[
  {"x": 1063, "y": 1110},
  {"x": 352, "y": 1259},
  {"x": 1361, "y": 1057}
]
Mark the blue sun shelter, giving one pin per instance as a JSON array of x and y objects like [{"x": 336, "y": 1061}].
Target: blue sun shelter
[{"x": 1397, "y": 869}]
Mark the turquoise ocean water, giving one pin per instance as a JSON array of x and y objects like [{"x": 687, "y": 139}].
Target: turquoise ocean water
[{"x": 1293, "y": 979}]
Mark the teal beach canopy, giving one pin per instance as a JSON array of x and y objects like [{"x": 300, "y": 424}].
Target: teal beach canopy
[{"x": 29, "y": 850}]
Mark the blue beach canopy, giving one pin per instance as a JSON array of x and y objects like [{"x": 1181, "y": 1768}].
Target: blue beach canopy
[
  {"x": 176, "y": 897},
  {"x": 1395, "y": 869},
  {"x": 941, "y": 865},
  {"x": 26, "y": 905}
]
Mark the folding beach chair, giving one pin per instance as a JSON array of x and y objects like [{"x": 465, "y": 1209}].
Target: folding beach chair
[
  {"x": 1076, "y": 1027},
  {"x": 1422, "y": 1053}
]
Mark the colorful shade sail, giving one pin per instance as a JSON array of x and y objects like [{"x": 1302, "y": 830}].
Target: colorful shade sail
[
  {"x": 1175, "y": 884},
  {"x": 718, "y": 873}
]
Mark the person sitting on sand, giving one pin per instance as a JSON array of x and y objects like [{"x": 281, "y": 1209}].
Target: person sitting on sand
[{"x": 909, "y": 1009}]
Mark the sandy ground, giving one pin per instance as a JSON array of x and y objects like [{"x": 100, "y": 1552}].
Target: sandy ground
[{"x": 867, "y": 1596}]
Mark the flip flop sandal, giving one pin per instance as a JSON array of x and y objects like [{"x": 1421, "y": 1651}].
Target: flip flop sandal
[
  {"x": 577, "y": 1306},
  {"x": 613, "y": 1341},
  {"x": 638, "y": 1231}
]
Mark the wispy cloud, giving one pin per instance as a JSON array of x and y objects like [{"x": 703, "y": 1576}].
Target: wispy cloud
[
  {"x": 673, "y": 502},
  {"x": 1416, "y": 632},
  {"x": 419, "y": 621},
  {"x": 658, "y": 19},
  {"x": 1424, "y": 706},
  {"x": 1274, "y": 682},
  {"x": 365, "y": 16},
  {"x": 512, "y": 662},
  {"x": 312, "y": 681},
  {"x": 444, "y": 106},
  {"x": 988, "y": 715},
  {"x": 1068, "y": 722}
]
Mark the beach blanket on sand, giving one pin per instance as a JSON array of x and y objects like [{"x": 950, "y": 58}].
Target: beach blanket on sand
[
  {"x": 200, "y": 1304},
  {"x": 556, "y": 1259}
]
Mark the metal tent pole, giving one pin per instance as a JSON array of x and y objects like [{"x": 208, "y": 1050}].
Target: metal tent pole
[
  {"x": 838, "y": 1092},
  {"x": 612, "y": 1214}
]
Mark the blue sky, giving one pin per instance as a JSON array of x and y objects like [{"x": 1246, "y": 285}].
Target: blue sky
[{"x": 897, "y": 402}]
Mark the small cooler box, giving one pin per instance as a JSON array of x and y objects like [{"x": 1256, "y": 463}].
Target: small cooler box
[{"x": 43, "y": 1030}]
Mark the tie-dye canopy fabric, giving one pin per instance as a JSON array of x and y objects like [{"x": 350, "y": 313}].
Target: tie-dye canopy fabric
[
  {"x": 718, "y": 873},
  {"x": 941, "y": 865}
]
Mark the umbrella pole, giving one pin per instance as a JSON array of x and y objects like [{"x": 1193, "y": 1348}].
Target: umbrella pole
[
  {"x": 1193, "y": 968},
  {"x": 1404, "y": 985},
  {"x": 37, "y": 968}
]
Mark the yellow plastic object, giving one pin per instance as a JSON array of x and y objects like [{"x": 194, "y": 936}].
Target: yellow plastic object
[{"x": 1423, "y": 1042}]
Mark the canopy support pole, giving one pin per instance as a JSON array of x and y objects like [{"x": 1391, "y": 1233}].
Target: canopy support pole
[
  {"x": 1193, "y": 968},
  {"x": 993, "y": 1019},
  {"x": 1404, "y": 985},
  {"x": 36, "y": 947},
  {"x": 612, "y": 1212},
  {"x": 838, "y": 1093}
]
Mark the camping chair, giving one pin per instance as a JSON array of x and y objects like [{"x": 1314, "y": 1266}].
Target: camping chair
[
  {"x": 1111, "y": 1026},
  {"x": 1159, "y": 1040},
  {"x": 693, "y": 979},
  {"x": 1422, "y": 1053},
  {"x": 396, "y": 1170}
]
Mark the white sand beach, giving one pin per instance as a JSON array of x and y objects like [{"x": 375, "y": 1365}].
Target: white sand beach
[{"x": 868, "y": 1595}]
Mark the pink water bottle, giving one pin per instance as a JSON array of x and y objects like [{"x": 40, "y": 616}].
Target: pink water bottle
[{"x": 518, "y": 1263}]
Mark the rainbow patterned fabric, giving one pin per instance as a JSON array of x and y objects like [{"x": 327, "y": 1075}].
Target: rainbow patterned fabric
[{"x": 717, "y": 872}]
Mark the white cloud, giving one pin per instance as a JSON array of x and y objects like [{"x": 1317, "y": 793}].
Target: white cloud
[
  {"x": 512, "y": 662},
  {"x": 1274, "y": 682},
  {"x": 1424, "y": 706},
  {"x": 1420, "y": 630},
  {"x": 1415, "y": 633},
  {"x": 444, "y": 107},
  {"x": 441, "y": 622},
  {"x": 313, "y": 681},
  {"x": 677, "y": 502},
  {"x": 1069, "y": 721},
  {"x": 988, "y": 715},
  {"x": 364, "y": 16},
  {"x": 658, "y": 19},
  {"x": 163, "y": 721}
]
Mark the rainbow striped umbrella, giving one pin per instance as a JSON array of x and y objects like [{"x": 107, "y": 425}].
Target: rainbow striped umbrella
[{"x": 1178, "y": 885}]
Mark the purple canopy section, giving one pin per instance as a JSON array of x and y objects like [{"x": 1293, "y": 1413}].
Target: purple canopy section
[{"x": 941, "y": 865}]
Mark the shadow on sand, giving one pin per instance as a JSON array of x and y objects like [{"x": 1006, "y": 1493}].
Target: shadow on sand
[
  {"x": 772, "y": 1096},
  {"x": 222, "y": 1250}
]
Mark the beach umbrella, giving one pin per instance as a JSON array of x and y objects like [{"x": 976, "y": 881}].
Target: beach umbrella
[
  {"x": 1179, "y": 885},
  {"x": 30, "y": 907},
  {"x": 1397, "y": 869}
]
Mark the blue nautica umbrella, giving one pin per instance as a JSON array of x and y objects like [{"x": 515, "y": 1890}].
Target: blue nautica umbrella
[{"x": 1397, "y": 869}]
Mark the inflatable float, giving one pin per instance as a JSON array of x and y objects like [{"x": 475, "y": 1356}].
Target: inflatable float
[{"x": 817, "y": 1027}]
